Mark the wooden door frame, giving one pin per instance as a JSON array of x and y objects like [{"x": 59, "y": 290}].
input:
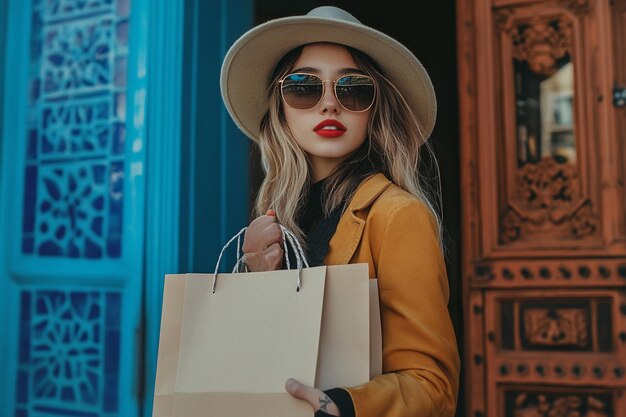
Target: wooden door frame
[
  {"x": 476, "y": 42},
  {"x": 474, "y": 369}
]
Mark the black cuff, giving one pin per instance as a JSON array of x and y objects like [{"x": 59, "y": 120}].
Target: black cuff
[{"x": 343, "y": 401}]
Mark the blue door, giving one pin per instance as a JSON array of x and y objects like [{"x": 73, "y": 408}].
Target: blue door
[
  {"x": 72, "y": 204},
  {"x": 118, "y": 164}
]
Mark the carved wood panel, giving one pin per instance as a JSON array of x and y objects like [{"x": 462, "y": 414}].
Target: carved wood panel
[
  {"x": 574, "y": 338},
  {"x": 544, "y": 247},
  {"x": 545, "y": 199},
  {"x": 525, "y": 401}
]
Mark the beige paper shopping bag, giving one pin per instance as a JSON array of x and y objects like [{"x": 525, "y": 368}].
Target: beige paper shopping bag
[
  {"x": 350, "y": 351},
  {"x": 229, "y": 353},
  {"x": 195, "y": 370}
]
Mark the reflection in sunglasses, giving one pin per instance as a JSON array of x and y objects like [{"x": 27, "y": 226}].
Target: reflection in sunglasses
[{"x": 304, "y": 91}]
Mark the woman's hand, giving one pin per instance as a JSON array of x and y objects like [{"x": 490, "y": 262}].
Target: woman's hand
[
  {"x": 262, "y": 244},
  {"x": 318, "y": 399}
]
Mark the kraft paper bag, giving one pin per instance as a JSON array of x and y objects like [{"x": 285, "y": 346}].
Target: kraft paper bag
[
  {"x": 229, "y": 353},
  {"x": 350, "y": 351}
]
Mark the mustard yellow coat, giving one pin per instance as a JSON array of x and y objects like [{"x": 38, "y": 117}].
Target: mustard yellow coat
[{"x": 394, "y": 233}]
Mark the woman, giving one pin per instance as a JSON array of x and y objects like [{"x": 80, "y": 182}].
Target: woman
[{"x": 340, "y": 112}]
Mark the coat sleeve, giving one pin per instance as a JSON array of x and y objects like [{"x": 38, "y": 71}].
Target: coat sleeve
[{"x": 420, "y": 358}]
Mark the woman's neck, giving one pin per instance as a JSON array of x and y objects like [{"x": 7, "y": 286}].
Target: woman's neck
[{"x": 322, "y": 167}]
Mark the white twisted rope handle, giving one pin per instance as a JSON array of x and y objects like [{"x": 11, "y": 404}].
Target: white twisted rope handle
[
  {"x": 295, "y": 244},
  {"x": 288, "y": 236},
  {"x": 298, "y": 252},
  {"x": 219, "y": 258}
]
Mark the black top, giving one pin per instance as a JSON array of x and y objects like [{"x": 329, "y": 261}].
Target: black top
[{"x": 318, "y": 229}]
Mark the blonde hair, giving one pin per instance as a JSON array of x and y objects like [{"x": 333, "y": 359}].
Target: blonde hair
[{"x": 392, "y": 147}]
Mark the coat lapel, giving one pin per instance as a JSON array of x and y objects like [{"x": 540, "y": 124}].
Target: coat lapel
[{"x": 349, "y": 231}]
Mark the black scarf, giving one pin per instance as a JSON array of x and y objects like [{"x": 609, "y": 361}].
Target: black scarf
[{"x": 318, "y": 229}]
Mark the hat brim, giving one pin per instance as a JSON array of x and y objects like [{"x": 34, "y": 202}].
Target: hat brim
[{"x": 251, "y": 60}]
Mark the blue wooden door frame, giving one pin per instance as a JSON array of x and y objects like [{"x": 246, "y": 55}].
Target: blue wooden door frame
[
  {"x": 196, "y": 161},
  {"x": 197, "y": 173},
  {"x": 24, "y": 274}
]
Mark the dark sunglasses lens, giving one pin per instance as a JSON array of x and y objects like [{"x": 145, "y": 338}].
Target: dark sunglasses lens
[
  {"x": 355, "y": 92},
  {"x": 302, "y": 91}
]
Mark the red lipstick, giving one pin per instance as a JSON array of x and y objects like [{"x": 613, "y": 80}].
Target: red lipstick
[{"x": 330, "y": 128}]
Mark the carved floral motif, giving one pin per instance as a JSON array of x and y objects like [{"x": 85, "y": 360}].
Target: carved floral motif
[
  {"x": 539, "y": 41},
  {"x": 564, "y": 405},
  {"x": 546, "y": 197},
  {"x": 548, "y": 183},
  {"x": 556, "y": 327},
  {"x": 578, "y": 223}
]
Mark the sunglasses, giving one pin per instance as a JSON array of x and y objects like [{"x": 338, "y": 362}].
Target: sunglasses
[{"x": 304, "y": 91}]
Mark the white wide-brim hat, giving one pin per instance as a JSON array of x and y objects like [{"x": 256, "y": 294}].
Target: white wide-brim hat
[{"x": 250, "y": 63}]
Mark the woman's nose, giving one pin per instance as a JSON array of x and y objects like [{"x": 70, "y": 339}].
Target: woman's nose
[{"x": 329, "y": 103}]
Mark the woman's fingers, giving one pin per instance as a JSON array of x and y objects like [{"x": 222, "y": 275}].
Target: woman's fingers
[
  {"x": 262, "y": 243},
  {"x": 318, "y": 399},
  {"x": 262, "y": 233},
  {"x": 273, "y": 234},
  {"x": 274, "y": 256},
  {"x": 270, "y": 259},
  {"x": 254, "y": 261}
]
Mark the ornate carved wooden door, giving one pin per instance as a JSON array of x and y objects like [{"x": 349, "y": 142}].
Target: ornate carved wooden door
[{"x": 543, "y": 128}]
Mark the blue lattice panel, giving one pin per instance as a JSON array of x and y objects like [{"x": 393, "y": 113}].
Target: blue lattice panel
[
  {"x": 75, "y": 190},
  {"x": 64, "y": 9},
  {"x": 75, "y": 146},
  {"x": 69, "y": 353},
  {"x": 78, "y": 56},
  {"x": 75, "y": 210},
  {"x": 86, "y": 128}
]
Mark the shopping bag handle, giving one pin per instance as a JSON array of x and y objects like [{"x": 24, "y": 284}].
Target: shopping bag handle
[{"x": 288, "y": 236}]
